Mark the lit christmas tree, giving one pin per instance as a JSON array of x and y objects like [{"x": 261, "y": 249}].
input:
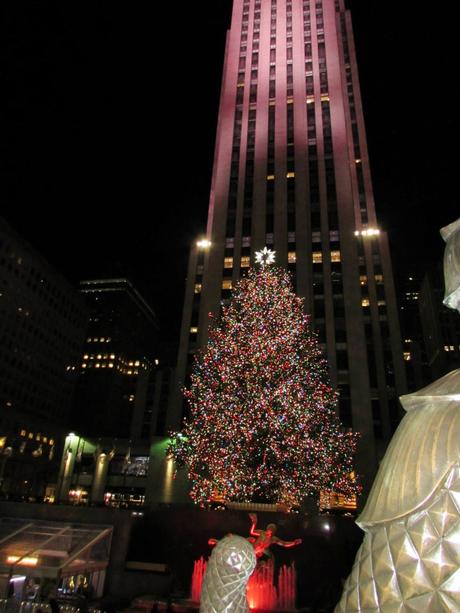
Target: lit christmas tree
[{"x": 263, "y": 423}]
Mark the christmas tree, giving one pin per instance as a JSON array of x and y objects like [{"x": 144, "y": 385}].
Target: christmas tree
[{"x": 263, "y": 422}]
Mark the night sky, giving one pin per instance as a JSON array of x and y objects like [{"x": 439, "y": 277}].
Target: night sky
[{"x": 92, "y": 92}]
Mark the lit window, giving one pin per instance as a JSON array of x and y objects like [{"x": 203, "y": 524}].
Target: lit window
[
  {"x": 365, "y": 302},
  {"x": 245, "y": 261},
  {"x": 88, "y": 340},
  {"x": 292, "y": 257},
  {"x": 310, "y": 99},
  {"x": 99, "y": 357},
  {"x": 95, "y": 340},
  {"x": 290, "y": 175},
  {"x": 317, "y": 257},
  {"x": 379, "y": 278},
  {"x": 97, "y": 365},
  {"x": 363, "y": 279},
  {"x": 137, "y": 363},
  {"x": 324, "y": 98},
  {"x": 85, "y": 357},
  {"x": 358, "y": 161},
  {"x": 193, "y": 330},
  {"x": 335, "y": 256},
  {"x": 381, "y": 303},
  {"x": 51, "y": 441},
  {"x": 228, "y": 262},
  {"x": 227, "y": 284},
  {"x": 407, "y": 356},
  {"x": 112, "y": 356},
  {"x": 270, "y": 177},
  {"x": 83, "y": 365},
  {"x": 30, "y": 435},
  {"x": 197, "y": 288},
  {"x": 110, "y": 364},
  {"x": 102, "y": 339},
  {"x": 23, "y": 433}
]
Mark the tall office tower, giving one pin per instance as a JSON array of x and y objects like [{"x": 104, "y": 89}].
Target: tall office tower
[
  {"x": 42, "y": 328},
  {"x": 291, "y": 172},
  {"x": 118, "y": 362}
]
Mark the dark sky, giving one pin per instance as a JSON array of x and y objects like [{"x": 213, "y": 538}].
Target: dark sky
[{"x": 93, "y": 92}]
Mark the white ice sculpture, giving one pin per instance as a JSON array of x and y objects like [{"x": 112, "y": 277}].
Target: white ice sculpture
[
  {"x": 451, "y": 234},
  {"x": 227, "y": 573}
]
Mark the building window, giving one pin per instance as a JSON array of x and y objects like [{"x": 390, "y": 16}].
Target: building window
[
  {"x": 193, "y": 330},
  {"x": 292, "y": 257},
  {"x": 335, "y": 256},
  {"x": 227, "y": 284},
  {"x": 228, "y": 262},
  {"x": 245, "y": 261},
  {"x": 197, "y": 288},
  {"x": 365, "y": 302},
  {"x": 317, "y": 257}
]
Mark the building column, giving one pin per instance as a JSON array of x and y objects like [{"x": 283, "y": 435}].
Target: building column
[{"x": 100, "y": 477}]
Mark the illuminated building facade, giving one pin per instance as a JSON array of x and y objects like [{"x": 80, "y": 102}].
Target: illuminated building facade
[
  {"x": 42, "y": 327},
  {"x": 113, "y": 396},
  {"x": 291, "y": 172}
]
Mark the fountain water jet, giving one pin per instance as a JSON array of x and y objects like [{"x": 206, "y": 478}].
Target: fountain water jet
[{"x": 262, "y": 593}]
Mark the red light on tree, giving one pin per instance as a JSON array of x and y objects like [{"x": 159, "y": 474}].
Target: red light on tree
[{"x": 263, "y": 424}]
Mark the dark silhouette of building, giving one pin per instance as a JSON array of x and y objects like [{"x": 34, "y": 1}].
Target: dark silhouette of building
[
  {"x": 440, "y": 325},
  {"x": 115, "y": 386},
  {"x": 414, "y": 355},
  {"x": 42, "y": 326},
  {"x": 291, "y": 172}
]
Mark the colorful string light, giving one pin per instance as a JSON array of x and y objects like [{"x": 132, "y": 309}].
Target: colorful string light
[{"x": 263, "y": 422}]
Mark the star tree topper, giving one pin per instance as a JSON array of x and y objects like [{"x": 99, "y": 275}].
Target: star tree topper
[{"x": 265, "y": 257}]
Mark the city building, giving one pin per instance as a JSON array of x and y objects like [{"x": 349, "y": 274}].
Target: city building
[
  {"x": 417, "y": 371},
  {"x": 291, "y": 172},
  {"x": 114, "y": 392},
  {"x": 117, "y": 473},
  {"x": 42, "y": 326},
  {"x": 440, "y": 325}
]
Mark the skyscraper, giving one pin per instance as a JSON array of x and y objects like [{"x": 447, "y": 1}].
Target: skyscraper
[
  {"x": 42, "y": 327},
  {"x": 119, "y": 358},
  {"x": 291, "y": 172}
]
